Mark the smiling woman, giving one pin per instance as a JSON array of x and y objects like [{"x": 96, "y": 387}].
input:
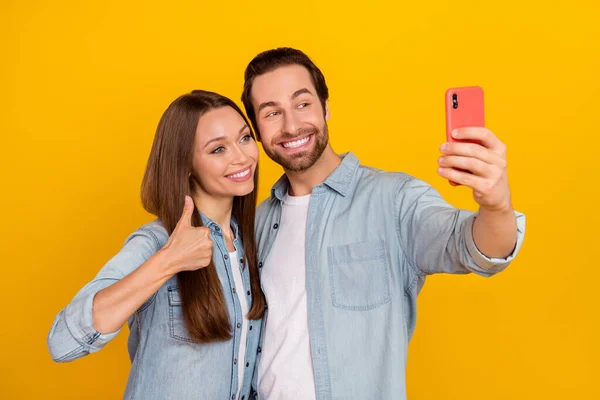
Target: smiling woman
[
  {"x": 226, "y": 150},
  {"x": 186, "y": 283}
]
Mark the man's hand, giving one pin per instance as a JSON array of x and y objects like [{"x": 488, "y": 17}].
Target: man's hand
[{"x": 483, "y": 166}]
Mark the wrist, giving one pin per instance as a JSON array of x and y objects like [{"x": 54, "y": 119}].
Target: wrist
[
  {"x": 499, "y": 209},
  {"x": 165, "y": 263}
]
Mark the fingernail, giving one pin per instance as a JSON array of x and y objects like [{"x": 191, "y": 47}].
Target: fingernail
[
  {"x": 455, "y": 133},
  {"x": 441, "y": 160},
  {"x": 444, "y": 147},
  {"x": 440, "y": 170}
]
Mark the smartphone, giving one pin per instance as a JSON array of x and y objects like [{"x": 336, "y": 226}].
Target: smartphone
[{"x": 464, "y": 108}]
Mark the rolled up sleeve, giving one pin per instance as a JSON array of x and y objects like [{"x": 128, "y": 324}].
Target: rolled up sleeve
[
  {"x": 438, "y": 238},
  {"x": 72, "y": 334},
  {"x": 481, "y": 263}
]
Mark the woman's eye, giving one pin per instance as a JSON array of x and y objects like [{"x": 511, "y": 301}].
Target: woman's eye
[
  {"x": 219, "y": 149},
  {"x": 246, "y": 138}
]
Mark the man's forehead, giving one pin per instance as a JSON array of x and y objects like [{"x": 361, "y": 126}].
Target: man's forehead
[{"x": 283, "y": 81}]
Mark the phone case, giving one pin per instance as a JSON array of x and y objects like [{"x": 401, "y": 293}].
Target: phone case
[{"x": 464, "y": 107}]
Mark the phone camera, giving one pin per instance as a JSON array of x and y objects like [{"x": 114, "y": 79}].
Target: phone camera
[{"x": 454, "y": 101}]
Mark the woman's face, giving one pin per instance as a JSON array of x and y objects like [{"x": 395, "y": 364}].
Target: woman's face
[{"x": 225, "y": 155}]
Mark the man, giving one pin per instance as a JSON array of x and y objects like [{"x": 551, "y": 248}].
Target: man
[{"x": 344, "y": 249}]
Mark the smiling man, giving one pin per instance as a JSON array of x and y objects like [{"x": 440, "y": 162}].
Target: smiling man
[{"x": 344, "y": 249}]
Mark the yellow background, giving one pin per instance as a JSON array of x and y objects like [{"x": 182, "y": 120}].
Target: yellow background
[{"x": 83, "y": 85}]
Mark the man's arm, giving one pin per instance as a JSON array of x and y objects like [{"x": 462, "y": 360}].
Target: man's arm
[
  {"x": 439, "y": 238},
  {"x": 482, "y": 167}
]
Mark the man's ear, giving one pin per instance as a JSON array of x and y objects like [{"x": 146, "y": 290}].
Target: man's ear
[{"x": 327, "y": 115}]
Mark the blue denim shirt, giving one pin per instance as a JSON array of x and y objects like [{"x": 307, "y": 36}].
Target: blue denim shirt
[
  {"x": 371, "y": 239},
  {"x": 166, "y": 362}
]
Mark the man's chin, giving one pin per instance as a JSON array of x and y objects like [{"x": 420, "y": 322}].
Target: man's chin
[{"x": 296, "y": 163}]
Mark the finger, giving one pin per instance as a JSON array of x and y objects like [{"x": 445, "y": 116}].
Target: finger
[
  {"x": 204, "y": 233},
  {"x": 471, "y": 164},
  {"x": 472, "y": 150},
  {"x": 461, "y": 178},
  {"x": 186, "y": 215},
  {"x": 482, "y": 135}
]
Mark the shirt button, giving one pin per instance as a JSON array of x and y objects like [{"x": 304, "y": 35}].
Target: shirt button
[
  {"x": 226, "y": 256},
  {"x": 233, "y": 290},
  {"x": 233, "y": 397},
  {"x": 259, "y": 349},
  {"x": 243, "y": 397},
  {"x": 247, "y": 364},
  {"x": 239, "y": 325},
  {"x": 217, "y": 228},
  {"x": 241, "y": 260},
  {"x": 259, "y": 265},
  {"x": 250, "y": 327},
  {"x": 248, "y": 293},
  {"x": 235, "y": 361},
  {"x": 275, "y": 226}
]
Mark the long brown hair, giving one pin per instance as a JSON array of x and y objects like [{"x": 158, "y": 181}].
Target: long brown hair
[{"x": 166, "y": 182}]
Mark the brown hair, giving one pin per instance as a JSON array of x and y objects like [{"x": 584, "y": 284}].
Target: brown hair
[
  {"x": 269, "y": 61},
  {"x": 166, "y": 182}
]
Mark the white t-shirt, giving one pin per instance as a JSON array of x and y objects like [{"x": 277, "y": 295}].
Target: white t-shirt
[
  {"x": 239, "y": 288},
  {"x": 285, "y": 370}
]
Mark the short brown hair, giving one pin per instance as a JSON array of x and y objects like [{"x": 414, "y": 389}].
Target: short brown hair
[
  {"x": 270, "y": 60},
  {"x": 166, "y": 183}
]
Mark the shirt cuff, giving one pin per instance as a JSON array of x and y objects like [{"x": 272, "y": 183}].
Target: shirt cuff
[
  {"x": 79, "y": 320},
  {"x": 488, "y": 263}
]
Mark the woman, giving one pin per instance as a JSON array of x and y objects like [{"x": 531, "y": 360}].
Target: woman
[{"x": 187, "y": 283}]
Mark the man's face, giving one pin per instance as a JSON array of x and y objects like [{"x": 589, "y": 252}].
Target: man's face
[{"x": 289, "y": 115}]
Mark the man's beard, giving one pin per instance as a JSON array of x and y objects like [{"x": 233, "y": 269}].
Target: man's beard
[{"x": 303, "y": 160}]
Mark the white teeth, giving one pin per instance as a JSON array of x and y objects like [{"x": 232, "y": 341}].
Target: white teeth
[
  {"x": 296, "y": 143},
  {"x": 240, "y": 174}
]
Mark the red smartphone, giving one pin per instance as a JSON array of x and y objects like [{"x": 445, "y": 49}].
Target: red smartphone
[{"x": 464, "y": 108}]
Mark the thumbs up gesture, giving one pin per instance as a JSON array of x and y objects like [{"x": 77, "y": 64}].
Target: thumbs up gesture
[{"x": 189, "y": 248}]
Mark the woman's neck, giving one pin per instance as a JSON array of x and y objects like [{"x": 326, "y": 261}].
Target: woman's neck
[{"x": 218, "y": 209}]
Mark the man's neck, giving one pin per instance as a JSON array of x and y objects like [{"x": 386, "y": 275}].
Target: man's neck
[{"x": 302, "y": 183}]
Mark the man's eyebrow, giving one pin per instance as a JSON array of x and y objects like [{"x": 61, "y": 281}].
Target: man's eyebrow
[
  {"x": 267, "y": 104},
  {"x": 301, "y": 91},
  {"x": 275, "y": 104}
]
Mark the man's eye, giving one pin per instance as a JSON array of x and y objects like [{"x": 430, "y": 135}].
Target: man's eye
[
  {"x": 302, "y": 105},
  {"x": 271, "y": 114}
]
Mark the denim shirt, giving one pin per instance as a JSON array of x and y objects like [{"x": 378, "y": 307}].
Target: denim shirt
[
  {"x": 371, "y": 239},
  {"x": 166, "y": 362}
]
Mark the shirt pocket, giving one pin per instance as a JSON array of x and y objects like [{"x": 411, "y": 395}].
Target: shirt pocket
[
  {"x": 177, "y": 325},
  {"x": 358, "y": 275}
]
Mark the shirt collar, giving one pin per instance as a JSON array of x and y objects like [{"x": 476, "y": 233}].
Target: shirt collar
[
  {"x": 339, "y": 180},
  {"x": 215, "y": 228}
]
